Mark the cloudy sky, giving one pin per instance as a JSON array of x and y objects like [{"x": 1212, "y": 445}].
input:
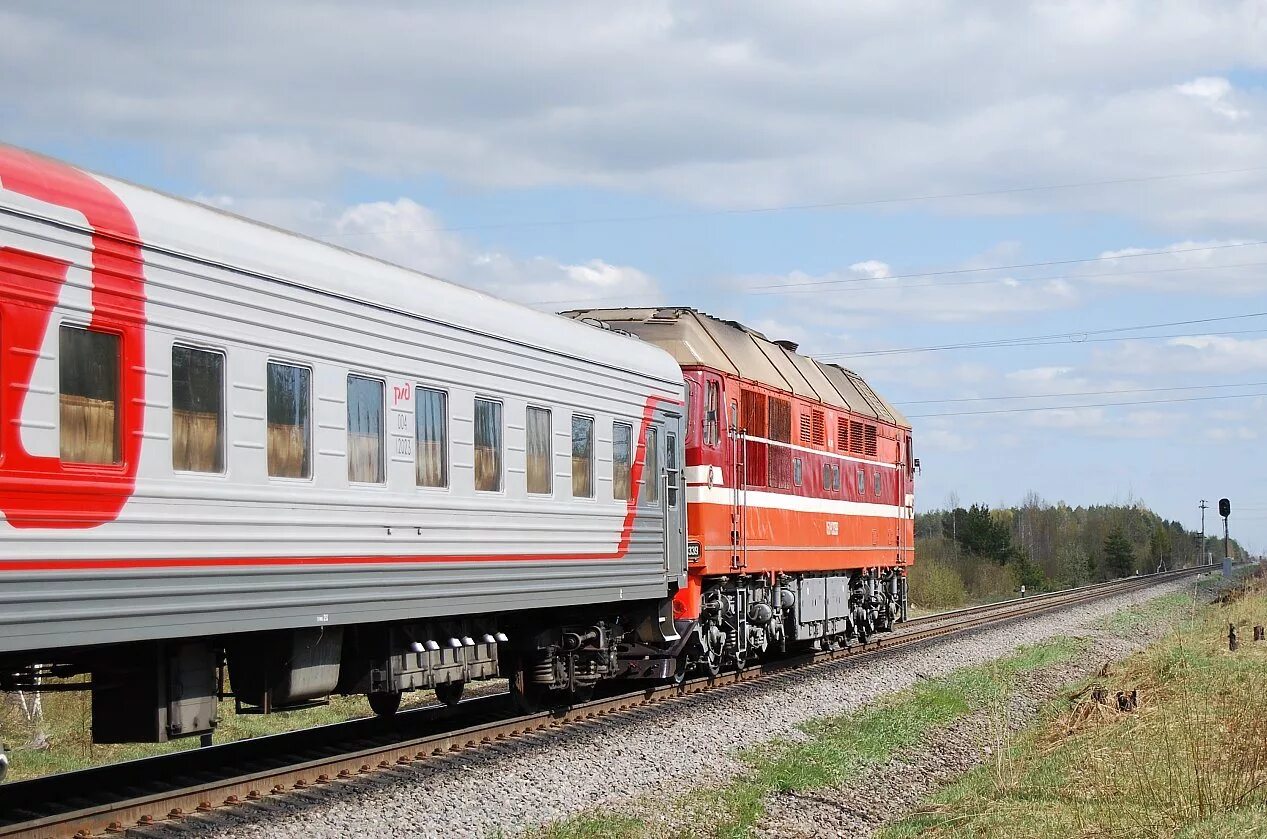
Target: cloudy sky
[{"x": 1039, "y": 228}]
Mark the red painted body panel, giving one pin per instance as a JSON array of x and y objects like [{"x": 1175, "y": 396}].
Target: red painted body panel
[
  {"x": 827, "y": 521},
  {"x": 44, "y": 491}
]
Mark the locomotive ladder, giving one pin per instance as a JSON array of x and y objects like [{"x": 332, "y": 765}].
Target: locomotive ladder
[{"x": 739, "y": 501}]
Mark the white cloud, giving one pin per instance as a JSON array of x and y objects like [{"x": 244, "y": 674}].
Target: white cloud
[
  {"x": 1040, "y": 375},
  {"x": 1216, "y": 266},
  {"x": 1215, "y": 93},
  {"x": 1221, "y": 356},
  {"x": 735, "y": 105},
  {"x": 410, "y": 234}
]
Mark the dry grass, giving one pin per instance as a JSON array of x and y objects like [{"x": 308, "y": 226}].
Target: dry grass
[{"x": 1190, "y": 758}]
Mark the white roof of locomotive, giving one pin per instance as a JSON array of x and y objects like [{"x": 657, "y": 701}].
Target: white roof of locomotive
[{"x": 222, "y": 238}]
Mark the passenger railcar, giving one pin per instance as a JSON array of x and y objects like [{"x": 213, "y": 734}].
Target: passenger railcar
[{"x": 224, "y": 442}]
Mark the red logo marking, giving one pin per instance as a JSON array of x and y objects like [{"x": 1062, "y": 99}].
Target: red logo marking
[{"x": 37, "y": 491}]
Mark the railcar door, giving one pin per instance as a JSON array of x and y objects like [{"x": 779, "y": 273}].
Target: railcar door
[
  {"x": 664, "y": 486},
  {"x": 674, "y": 509}
]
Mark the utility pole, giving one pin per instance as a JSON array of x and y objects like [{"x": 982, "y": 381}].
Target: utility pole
[{"x": 1203, "y": 505}]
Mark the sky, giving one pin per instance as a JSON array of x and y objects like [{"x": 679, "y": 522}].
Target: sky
[{"x": 1038, "y": 228}]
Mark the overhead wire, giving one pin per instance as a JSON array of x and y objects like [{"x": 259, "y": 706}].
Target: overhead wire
[
  {"x": 865, "y": 283},
  {"x": 823, "y": 205},
  {"x": 1117, "y": 392},
  {"x": 1087, "y": 405},
  {"x": 1079, "y": 336}
]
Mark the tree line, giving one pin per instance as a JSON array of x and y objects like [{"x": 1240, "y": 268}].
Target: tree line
[{"x": 978, "y": 553}]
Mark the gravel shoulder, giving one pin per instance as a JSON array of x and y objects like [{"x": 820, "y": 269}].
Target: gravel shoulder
[{"x": 665, "y": 750}]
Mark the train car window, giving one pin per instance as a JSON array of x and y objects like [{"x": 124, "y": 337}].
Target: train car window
[
  {"x": 651, "y": 468},
  {"x": 670, "y": 467},
  {"x": 197, "y": 410},
  {"x": 835, "y": 477},
  {"x": 289, "y": 414},
  {"x": 582, "y": 457},
  {"x": 431, "y": 431},
  {"x": 827, "y": 476},
  {"x": 879, "y": 484},
  {"x": 365, "y": 430},
  {"x": 488, "y": 445},
  {"x": 622, "y": 460},
  {"x": 540, "y": 451},
  {"x": 862, "y": 481},
  {"x": 797, "y": 471},
  {"x": 88, "y": 401},
  {"x": 712, "y": 414}
]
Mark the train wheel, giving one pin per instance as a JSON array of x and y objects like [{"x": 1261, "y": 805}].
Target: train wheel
[
  {"x": 713, "y": 641},
  {"x": 385, "y": 704},
  {"x": 527, "y": 696},
  {"x": 450, "y": 693},
  {"x": 680, "y": 670}
]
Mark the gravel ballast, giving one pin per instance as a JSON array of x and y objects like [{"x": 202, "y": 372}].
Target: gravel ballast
[{"x": 654, "y": 754}]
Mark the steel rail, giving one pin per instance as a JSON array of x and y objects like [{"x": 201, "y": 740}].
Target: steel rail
[{"x": 151, "y": 791}]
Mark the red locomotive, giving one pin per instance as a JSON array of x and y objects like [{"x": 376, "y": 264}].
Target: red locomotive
[{"x": 799, "y": 486}]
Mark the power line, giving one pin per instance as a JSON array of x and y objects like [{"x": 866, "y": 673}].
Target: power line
[
  {"x": 1082, "y": 336},
  {"x": 1078, "y": 393},
  {"x": 825, "y": 205},
  {"x": 1043, "y": 264},
  {"x": 816, "y": 286},
  {"x": 1088, "y": 405}
]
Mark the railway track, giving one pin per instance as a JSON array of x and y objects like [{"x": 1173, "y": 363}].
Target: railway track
[{"x": 114, "y": 799}]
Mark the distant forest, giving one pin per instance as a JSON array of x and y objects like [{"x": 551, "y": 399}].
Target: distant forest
[{"x": 965, "y": 555}]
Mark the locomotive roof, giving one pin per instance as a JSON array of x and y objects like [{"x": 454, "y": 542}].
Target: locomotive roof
[
  {"x": 697, "y": 338},
  {"x": 221, "y": 238}
]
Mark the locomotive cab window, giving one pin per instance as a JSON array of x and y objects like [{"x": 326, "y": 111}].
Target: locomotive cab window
[
  {"x": 365, "y": 430},
  {"x": 88, "y": 401},
  {"x": 712, "y": 414},
  {"x": 651, "y": 468},
  {"x": 431, "y": 429},
  {"x": 879, "y": 484},
  {"x": 798, "y": 470},
  {"x": 289, "y": 413},
  {"x": 197, "y": 410},
  {"x": 862, "y": 481},
  {"x": 582, "y": 457},
  {"x": 835, "y": 477},
  {"x": 540, "y": 467},
  {"x": 622, "y": 444},
  {"x": 488, "y": 445}
]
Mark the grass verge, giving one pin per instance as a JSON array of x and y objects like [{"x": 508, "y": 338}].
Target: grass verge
[{"x": 1190, "y": 761}]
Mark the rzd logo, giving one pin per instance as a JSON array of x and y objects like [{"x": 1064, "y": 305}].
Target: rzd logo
[{"x": 40, "y": 491}]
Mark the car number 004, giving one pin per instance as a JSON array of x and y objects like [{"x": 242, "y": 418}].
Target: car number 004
[{"x": 833, "y": 528}]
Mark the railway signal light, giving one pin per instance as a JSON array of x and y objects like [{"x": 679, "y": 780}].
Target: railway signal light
[{"x": 1225, "y": 507}]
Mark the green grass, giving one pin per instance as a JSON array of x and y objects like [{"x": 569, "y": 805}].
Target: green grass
[
  {"x": 594, "y": 826},
  {"x": 1190, "y": 762},
  {"x": 834, "y": 749},
  {"x": 1160, "y": 611}
]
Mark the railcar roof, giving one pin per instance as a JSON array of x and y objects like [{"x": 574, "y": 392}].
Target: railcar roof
[
  {"x": 696, "y": 338},
  {"x": 221, "y": 238}
]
